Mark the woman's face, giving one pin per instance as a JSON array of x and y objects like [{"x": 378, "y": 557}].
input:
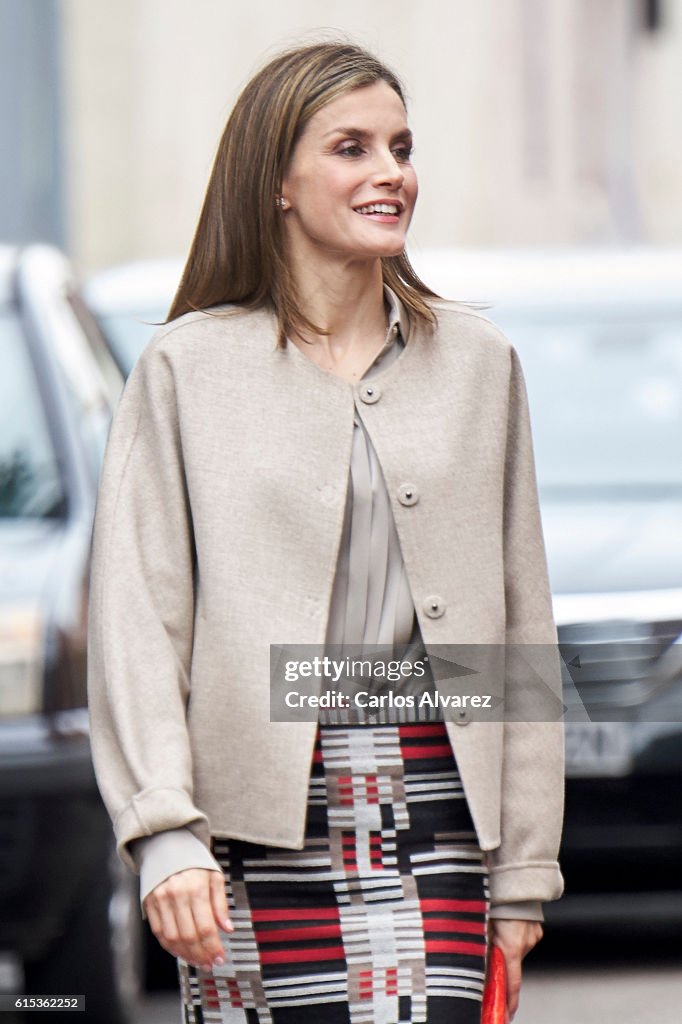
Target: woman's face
[{"x": 350, "y": 187}]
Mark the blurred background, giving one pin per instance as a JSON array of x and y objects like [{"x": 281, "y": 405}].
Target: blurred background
[
  {"x": 536, "y": 121},
  {"x": 550, "y": 164}
]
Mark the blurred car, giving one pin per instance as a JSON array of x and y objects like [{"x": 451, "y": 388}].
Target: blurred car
[
  {"x": 68, "y": 911},
  {"x": 599, "y": 333},
  {"x": 130, "y": 302}
]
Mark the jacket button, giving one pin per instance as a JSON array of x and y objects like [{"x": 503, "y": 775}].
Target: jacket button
[
  {"x": 434, "y": 606},
  {"x": 408, "y": 494},
  {"x": 370, "y": 393},
  {"x": 462, "y": 717}
]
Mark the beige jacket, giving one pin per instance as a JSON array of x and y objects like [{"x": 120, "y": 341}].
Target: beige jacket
[{"x": 217, "y": 532}]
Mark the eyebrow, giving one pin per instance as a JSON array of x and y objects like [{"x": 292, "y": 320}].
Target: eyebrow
[{"x": 361, "y": 133}]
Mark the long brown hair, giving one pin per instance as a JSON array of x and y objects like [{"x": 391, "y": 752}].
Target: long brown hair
[{"x": 237, "y": 254}]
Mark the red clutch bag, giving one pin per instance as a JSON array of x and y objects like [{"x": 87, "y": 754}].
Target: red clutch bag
[{"x": 495, "y": 992}]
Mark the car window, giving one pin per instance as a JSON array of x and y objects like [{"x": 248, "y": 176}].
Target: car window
[
  {"x": 89, "y": 395},
  {"x": 110, "y": 373},
  {"x": 30, "y": 484},
  {"x": 93, "y": 381},
  {"x": 606, "y": 402}
]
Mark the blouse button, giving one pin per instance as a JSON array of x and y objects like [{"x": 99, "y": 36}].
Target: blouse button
[
  {"x": 434, "y": 607},
  {"x": 408, "y": 494},
  {"x": 370, "y": 393}
]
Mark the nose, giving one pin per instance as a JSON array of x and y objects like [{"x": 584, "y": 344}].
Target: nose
[{"x": 388, "y": 171}]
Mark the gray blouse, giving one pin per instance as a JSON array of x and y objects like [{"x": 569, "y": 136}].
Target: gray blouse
[
  {"x": 371, "y": 600},
  {"x": 371, "y": 604}
]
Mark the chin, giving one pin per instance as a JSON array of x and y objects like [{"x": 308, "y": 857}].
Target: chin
[
  {"x": 369, "y": 253},
  {"x": 391, "y": 252},
  {"x": 386, "y": 250}
]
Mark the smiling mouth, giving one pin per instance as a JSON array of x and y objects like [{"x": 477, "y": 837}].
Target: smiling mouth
[{"x": 391, "y": 209}]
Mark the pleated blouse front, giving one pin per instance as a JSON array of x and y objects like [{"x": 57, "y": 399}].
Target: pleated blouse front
[{"x": 371, "y": 600}]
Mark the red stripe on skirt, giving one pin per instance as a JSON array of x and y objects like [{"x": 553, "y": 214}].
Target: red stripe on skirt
[
  {"x": 432, "y": 729},
  {"x": 437, "y": 750},
  {"x": 283, "y": 956},
  {"x": 447, "y": 946},
  {"x": 295, "y": 913},
  {"x": 311, "y": 931}
]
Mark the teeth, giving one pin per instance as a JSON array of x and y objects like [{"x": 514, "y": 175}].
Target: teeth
[{"x": 391, "y": 208}]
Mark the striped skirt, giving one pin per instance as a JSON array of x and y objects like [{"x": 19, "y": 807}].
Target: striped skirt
[{"x": 380, "y": 918}]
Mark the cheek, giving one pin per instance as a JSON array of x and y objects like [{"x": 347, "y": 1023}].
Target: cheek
[
  {"x": 325, "y": 193},
  {"x": 340, "y": 185},
  {"x": 412, "y": 185}
]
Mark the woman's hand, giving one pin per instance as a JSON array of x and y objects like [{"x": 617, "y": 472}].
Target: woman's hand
[
  {"x": 515, "y": 939},
  {"x": 184, "y": 913}
]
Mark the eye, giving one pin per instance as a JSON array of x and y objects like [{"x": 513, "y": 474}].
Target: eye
[
  {"x": 403, "y": 152},
  {"x": 350, "y": 149}
]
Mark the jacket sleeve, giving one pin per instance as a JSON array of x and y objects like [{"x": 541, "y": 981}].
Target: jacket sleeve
[
  {"x": 524, "y": 867},
  {"x": 141, "y": 614}
]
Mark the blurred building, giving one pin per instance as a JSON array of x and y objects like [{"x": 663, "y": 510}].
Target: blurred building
[
  {"x": 536, "y": 121},
  {"x": 32, "y": 189}
]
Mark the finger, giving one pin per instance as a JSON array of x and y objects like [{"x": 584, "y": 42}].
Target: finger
[
  {"x": 513, "y": 983},
  {"x": 182, "y": 892},
  {"x": 164, "y": 924},
  {"x": 219, "y": 901},
  {"x": 207, "y": 931},
  {"x": 152, "y": 916},
  {"x": 154, "y": 919}
]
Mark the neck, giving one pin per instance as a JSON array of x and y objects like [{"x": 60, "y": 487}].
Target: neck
[{"x": 345, "y": 299}]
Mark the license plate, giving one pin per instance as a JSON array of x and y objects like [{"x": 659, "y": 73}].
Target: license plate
[{"x": 598, "y": 748}]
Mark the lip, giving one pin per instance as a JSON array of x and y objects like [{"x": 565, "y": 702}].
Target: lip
[{"x": 383, "y": 199}]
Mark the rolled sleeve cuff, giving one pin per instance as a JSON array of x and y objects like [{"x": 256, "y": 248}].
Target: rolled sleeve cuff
[
  {"x": 158, "y": 810},
  {"x": 524, "y": 910},
  {"x": 520, "y": 883}
]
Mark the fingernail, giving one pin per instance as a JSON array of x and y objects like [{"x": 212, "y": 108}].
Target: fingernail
[
  {"x": 227, "y": 925},
  {"x": 206, "y": 967}
]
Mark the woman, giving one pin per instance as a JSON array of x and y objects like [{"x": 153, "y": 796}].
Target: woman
[{"x": 316, "y": 450}]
